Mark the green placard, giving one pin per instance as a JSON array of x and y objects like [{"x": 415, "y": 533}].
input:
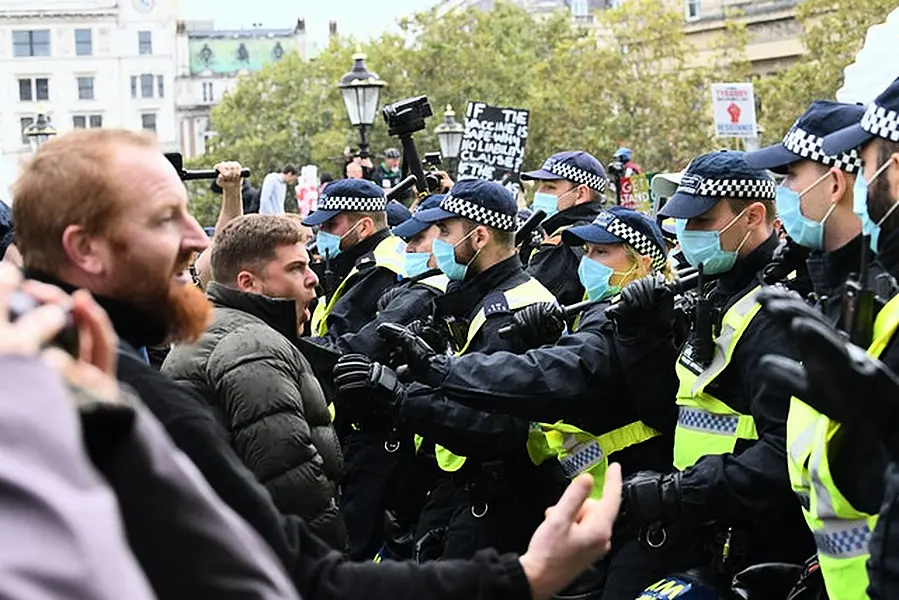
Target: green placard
[{"x": 226, "y": 56}]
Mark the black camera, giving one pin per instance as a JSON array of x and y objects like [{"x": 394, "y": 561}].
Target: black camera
[
  {"x": 433, "y": 161},
  {"x": 616, "y": 168},
  {"x": 407, "y": 116},
  {"x": 21, "y": 303}
]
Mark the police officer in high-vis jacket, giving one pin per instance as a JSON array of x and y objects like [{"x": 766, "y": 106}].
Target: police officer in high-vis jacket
[
  {"x": 731, "y": 495},
  {"x": 571, "y": 191},
  {"x": 490, "y": 493},
  {"x": 838, "y": 485}
]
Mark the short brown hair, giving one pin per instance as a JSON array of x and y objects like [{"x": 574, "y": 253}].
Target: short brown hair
[
  {"x": 69, "y": 181},
  {"x": 501, "y": 237},
  {"x": 738, "y": 205},
  {"x": 249, "y": 242},
  {"x": 378, "y": 218}
]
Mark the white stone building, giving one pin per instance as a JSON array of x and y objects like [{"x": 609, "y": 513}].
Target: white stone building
[
  {"x": 209, "y": 64},
  {"x": 85, "y": 63}
]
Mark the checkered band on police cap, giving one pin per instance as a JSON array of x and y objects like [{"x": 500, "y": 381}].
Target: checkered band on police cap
[
  {"x": 758, "y": 189},
  {"x": 352, "y": 203},
  {"x": 882, "y": 122},
  {"x": 642, "y": 244},
  {"x": 478, "y": 213},
  {"x": 810, "y": 146},
  {"x": 572, "y": 173}
]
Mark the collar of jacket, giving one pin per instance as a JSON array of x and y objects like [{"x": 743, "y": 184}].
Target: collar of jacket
[
  {"x": 888, "y": 252},
  {"x": 577, "y": 214},
  {"x": 747, "y": 269},
  {"x": 278, "y": 313},
  {"x": 345, "y": 261},
  {"x": 138, "y": 327},
  {"x": 462, "y": 296},
  {"x": 829, "y": 270}
]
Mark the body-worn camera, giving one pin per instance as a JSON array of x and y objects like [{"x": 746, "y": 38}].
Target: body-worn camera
[
  {"x": 21, "y": 303},
  {"x": 407, "y": 116}
]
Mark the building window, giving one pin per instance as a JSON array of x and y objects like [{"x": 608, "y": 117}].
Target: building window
[
  {"x": 25, "y": 123},
  {"x": 208, "y": 95},
  {"x": 146, "y": 86},
  {"x": 34, "y": 89},
  {"x": 84, "y": 45},
  {"x": 134, "y": 86},
  {"x": 148, "y": 122},
  {"x": 160, "y": 85},
  {"x": 145, "y": 42},
  {"x": 83, "y": 121},
  {"x": 31, "y": 43},
  {"x": 85, "y": 88},
  {"x": 580, "y": 10},
  {"x": 691, "y": 9},
  {"x": 26, "y": 93}
]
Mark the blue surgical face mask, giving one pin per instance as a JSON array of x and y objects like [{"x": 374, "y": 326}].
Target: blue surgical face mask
[
  {"x": 595, "y": 278},
  {"x": 549, "y": 203},
  {"x": 445, "y": 253},
  {"x": 860, "y": 206},
  {"x": 417, "y": 263},
  {"x": 800, "y": 228},
  {"x": 704, "y": 247},
  {"x": 329, "y": 244}
]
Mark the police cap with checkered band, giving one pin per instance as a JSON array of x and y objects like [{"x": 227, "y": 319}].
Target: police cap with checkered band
[
  {"x": 576, "y": 166},
  {"x": 713, "y": 177},
  {"x": 411, "y": 227},
  {"x": 806, "y": 138},
  {"x": 880, "y": 119},
  {"x": 617, "y": 224},
  {"x": 484, "y": 202},
  {"x": 347, "y": 195}
]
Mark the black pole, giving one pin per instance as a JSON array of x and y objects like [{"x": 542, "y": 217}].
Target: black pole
[{"x": 363, "y": 142}]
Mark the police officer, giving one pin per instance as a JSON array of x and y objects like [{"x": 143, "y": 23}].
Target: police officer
[
  {"x": 490, "y": 492},
  {"x": 590, "y": 391},
  {"x": 815, "y": 204},
  {"x": 362, "y": 255},
  {"x": 571, "y": 190},
  {"x": 359, "y": 252},
  {"x": 844, "y": 466},
  {"x": 729, "y": 444}
]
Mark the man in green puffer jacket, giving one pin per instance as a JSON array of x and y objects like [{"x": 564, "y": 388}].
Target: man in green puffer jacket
[{"x": 248, "y": 367}]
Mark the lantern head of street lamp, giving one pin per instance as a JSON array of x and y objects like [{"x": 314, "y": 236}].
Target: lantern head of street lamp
[{"x": 361, "y": 90}]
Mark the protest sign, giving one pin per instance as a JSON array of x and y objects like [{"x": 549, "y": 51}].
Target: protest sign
[
  {"x": 734, "y": 109},
  {"x": 493, "y": 144}
]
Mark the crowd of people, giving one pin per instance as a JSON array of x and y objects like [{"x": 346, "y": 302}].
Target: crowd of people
[{"x": 364, "y": 401}]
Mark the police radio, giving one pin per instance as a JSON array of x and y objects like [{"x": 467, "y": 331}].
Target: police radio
[
  {"x": 860, "y": 303},
  {"x": 704, "y": 324}
]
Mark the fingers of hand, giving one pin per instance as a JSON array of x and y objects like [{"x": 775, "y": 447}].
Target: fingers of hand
[
  {"x": 785, "y": 374},
  {"x": 33, "y": 330},
  {"x": 10, "y": 278},
  {"x": 568, "y": 506}
]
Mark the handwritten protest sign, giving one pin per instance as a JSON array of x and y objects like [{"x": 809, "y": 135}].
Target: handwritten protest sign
[{"x": 493, "y": 143}]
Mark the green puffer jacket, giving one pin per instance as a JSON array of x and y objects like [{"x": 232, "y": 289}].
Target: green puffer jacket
[{"x": 263, "y": 391}]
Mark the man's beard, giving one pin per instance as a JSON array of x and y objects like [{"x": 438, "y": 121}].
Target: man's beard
[{"x": 177, "y": 312}]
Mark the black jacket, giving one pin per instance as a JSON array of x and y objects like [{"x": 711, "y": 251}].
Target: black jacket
[
  {"x": 750, "y": 488},
  {"x": 358, "y": 303},
  {"x": 319, "y": 572},
  {"x": 581, "y": 380},
  {"x": 262, "y": 389},
  {"x": 460, "y": 429},
  {"x": 555, "y": 263}
]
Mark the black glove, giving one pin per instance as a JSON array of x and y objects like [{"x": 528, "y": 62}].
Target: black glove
[
  {"x": 431, "y": 334},
  {"x": 838, "y": 379},
  {"x": 650, "y": 498},
  {"x": 424, "y": 363},
  {"x": 783, "y": 306},
  {"x": 389, "y": 296},
  {"x": 647, "y": 301},
  {"x": 539, "y": 324},
  {"x": 365, "y": 387}
]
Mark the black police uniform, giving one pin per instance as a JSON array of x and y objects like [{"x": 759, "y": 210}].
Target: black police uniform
[
  {"x": 747, "y": 491},
  {"x": 498, "y": 471}
]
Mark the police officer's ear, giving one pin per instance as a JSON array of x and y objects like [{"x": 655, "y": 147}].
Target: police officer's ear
[
  {"x": 644, "y": 267},
  {"x": 584, "y": 194},
  {"x": 480, "y": 238},
  {"x": 756, "y": 214},
  {"x": 837, "y": 185}
]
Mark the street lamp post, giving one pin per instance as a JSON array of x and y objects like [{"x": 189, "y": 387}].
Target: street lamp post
[
  {"x": 449, "y": 136},
  {"x": 39, "y": 132},
  {"x": 361, "y": 90}
]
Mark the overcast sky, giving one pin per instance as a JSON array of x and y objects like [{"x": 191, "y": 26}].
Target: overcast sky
[{"x": 359, "y": 18}]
